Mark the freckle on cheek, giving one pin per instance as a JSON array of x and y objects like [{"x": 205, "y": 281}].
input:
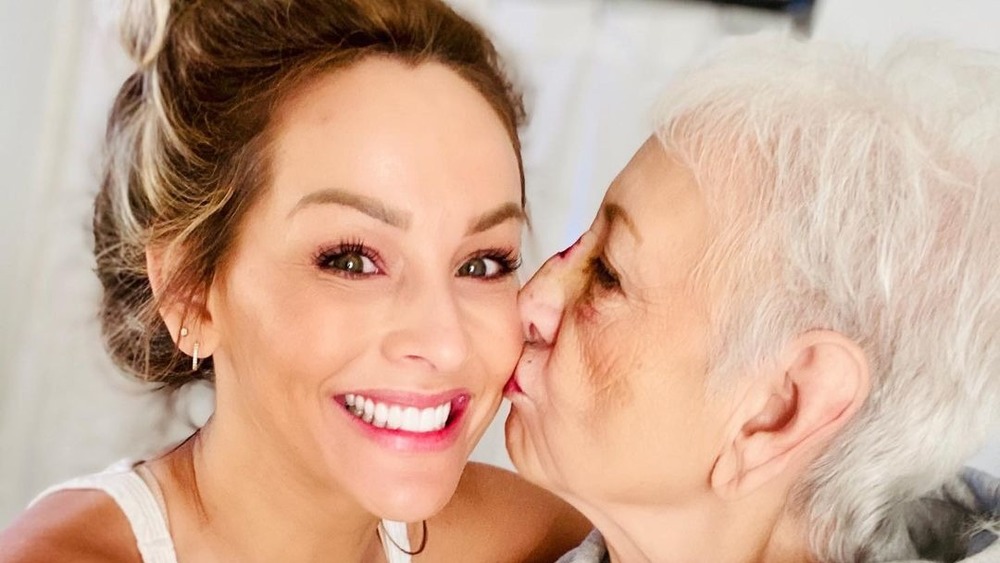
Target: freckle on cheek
[
  {"x": 605, "y": 380},
  {"x": 584, "y": 312}
]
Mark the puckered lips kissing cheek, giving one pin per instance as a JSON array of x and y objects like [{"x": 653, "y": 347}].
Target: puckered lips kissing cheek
[
  {"x": 512, "y": 386},
  {"x": 525, "y": 384},
  {"x": 407, "y": 422}
]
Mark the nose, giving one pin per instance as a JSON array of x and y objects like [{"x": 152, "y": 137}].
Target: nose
[
  {"x": 428, "y": 329},
  {"x": 543, "y": 299}
]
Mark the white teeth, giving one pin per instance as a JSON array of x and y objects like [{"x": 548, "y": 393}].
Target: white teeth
[
  {"x": 427, "y": 422},
  {"x": 395, "y": 418},
  {"x": 398, "y": 417},
  {"x": 381, "y": 415},
  {"x": 411, "y": 419},
  {"x": 369, "y": 410}
]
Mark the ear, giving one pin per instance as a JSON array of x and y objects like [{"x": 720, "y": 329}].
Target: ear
[
  {"x": 188, "y": 322},
  {"x": 788, "y": 415}
]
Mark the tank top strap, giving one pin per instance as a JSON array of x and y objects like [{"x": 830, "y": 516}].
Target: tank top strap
[
  {"x": 137, "y": 501},
  {"x": 395, "y": 539}
]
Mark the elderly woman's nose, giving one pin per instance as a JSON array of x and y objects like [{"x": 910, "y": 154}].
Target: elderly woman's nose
[
  {"x": 541, "y": 303},
  {"x": 543, "y": 299}
]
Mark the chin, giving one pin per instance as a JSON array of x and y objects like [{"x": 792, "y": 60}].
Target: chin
[{"x": 412, "y": 500}]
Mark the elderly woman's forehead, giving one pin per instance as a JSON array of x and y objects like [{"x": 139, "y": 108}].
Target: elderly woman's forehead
[{"x": 654, "y": 186}]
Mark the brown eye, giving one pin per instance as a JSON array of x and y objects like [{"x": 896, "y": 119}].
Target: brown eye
[
  {"x": 479, "y": 268},
  {"x": 350, "y": 260},
  {"x": 489, "y": 265},
  {"x": 352, "y": 263},
  {"x": 602, "y": 274}
]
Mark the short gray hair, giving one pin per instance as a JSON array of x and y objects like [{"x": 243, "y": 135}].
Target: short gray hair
[{"x": 863, "y": 197}]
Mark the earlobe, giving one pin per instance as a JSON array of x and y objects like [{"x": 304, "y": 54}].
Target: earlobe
[{"x": 819, "y": 383}]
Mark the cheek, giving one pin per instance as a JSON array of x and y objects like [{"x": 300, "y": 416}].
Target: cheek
[
  {"x": 280, "y": 324},
  {"x": 583, "y": 383},
  {"x": 608, "y": 363},
  {"x": 605, "y": 342},
  {"x": 588, "y": 427},
  {"x": 495, "y": 333}
]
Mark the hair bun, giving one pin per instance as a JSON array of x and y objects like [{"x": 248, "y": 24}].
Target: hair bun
[{"x": 144, "y": 28}]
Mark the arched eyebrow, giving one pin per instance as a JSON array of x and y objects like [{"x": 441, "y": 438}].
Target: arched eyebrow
[
  {"x": 370, "y": 206},
  {"x": 398, "y": 218},
  {"x": 490, "y": 219},
  {"x": 614, "y": 213}
]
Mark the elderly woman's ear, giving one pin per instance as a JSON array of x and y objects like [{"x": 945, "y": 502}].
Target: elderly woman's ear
[{"x": 790, "y": 411}]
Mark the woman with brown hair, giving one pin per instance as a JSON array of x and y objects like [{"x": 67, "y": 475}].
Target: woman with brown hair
[{"x": 317, "y": 206}]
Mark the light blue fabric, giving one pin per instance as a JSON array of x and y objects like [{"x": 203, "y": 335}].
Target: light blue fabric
[
  {"x": 592, "y": 550},
  {"x": 954, "y": 522}
]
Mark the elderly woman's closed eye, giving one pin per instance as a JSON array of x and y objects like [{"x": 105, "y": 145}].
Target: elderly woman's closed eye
[{"x": 779, "y": 339}]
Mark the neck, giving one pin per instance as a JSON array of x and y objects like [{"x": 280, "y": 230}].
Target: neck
[
  {"x": 251, "y": 502},
  {"x": 707, "y": 529}
]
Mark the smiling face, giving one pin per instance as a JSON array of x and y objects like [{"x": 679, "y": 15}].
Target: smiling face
[
  {"x": 609, "y": 401},
  {"x": 367, "y": 316}
]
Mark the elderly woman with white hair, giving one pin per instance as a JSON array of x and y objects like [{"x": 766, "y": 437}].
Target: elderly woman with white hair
[{"x": 780, "y": 338}]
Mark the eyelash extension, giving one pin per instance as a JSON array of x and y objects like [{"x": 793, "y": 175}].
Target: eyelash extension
[
  {"x": 603, "y": 274},
  {"x": 352, "y": 246},
  {"x": 508, "y": 258}
]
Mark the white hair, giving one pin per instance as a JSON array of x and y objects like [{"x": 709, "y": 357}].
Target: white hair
[{"x": 861, "y": 197}]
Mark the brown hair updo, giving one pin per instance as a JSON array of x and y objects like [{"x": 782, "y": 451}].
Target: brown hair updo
[{"x": 187, "y": 137}]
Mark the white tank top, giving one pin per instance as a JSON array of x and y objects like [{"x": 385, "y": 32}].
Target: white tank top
[{"x": 142, "y": 503}]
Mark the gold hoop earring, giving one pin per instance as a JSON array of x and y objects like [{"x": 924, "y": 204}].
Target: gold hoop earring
[
  {"x": 423, "y": 539},
  {"x": 194, "y": 357}
]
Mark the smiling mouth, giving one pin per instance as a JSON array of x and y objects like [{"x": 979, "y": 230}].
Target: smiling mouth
[{"x": 404, "y": 418}]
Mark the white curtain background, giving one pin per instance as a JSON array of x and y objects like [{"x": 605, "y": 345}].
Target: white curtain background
[{"x": 590, "y": 69}]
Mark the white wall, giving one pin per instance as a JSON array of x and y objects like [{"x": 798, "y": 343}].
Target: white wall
[
  {"x": 63, "y": 408},
  {"x": 973, "y": 23},
  {"x": 28, "y": 62},
  {"x": 27, "y": 49}
]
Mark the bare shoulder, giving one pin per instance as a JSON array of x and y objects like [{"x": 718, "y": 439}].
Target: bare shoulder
[
  {"x": 496, "y": 515},
  {"x": 84, "y": 526}
]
